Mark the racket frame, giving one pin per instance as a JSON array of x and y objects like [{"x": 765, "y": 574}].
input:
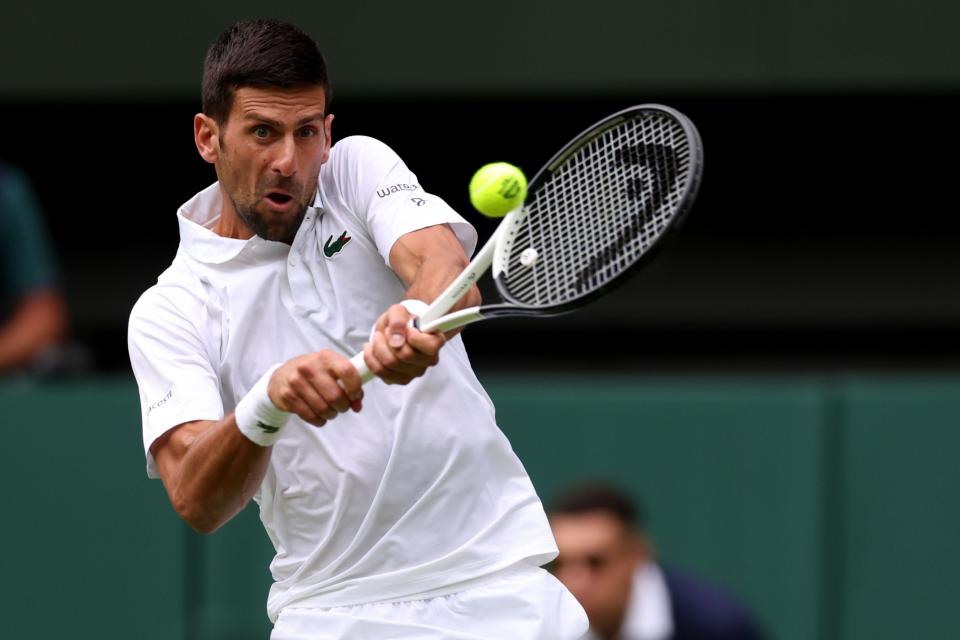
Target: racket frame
[
  {"x": 497, "y": 249},
  {"x": 689, "y": 191}
]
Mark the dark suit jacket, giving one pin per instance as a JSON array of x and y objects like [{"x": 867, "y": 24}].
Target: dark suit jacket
[{"x": 703, "y": 612}]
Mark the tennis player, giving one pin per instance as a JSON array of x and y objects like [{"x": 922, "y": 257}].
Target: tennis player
[{"x": 408, "y": 516}]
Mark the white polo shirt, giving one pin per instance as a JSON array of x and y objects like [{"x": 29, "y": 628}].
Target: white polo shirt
[{"x": 416, "y": 493}]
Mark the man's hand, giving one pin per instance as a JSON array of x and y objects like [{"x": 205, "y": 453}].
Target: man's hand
[
  {"x": 398, "y": 353},
  {"x": 316, "y": 386}
]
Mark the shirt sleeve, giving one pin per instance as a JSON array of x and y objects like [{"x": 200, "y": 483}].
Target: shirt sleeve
[
  {"x": 26, "y": 257},
  {"x": 378, "y": 187},
  {"x": 172, "y": 364}
]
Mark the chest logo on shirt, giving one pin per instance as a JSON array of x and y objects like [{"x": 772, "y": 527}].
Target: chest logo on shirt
[{"x": 332, "y": 247}]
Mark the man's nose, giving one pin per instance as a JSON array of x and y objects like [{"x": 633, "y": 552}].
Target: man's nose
[{"x": 285, "y": 160}]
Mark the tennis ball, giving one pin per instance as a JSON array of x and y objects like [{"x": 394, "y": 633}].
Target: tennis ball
[{"x": 497, "y": 188}]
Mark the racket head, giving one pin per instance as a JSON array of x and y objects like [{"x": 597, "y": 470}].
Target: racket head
[{"x": 599, "y": 211}]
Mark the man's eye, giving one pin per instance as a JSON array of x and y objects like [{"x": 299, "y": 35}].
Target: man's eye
[
  {"x": 261, "y": 131},
  {"x": 308, "y": 132}
]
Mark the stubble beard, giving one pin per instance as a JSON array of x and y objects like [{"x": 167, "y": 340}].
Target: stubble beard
[{"x": 272, "y": 227}]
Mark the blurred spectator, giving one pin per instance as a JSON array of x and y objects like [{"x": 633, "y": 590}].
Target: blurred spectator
[
  {"x": 33, "y": 317},
  {"x": 606, "y": 561}
]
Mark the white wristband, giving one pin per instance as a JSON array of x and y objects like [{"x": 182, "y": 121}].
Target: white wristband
[{"x": 257, "y": 417}]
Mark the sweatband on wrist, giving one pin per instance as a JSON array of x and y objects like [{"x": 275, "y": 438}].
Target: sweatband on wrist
[{"x": 257, "y": 417}]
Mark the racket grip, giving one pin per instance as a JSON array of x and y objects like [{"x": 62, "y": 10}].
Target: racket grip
[{"x": 358, "y": 363}]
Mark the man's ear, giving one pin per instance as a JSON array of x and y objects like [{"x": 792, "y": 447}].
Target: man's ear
[{"x": 206, "y": 135}]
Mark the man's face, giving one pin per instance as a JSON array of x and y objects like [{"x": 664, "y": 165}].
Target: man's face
[
  {"x": 268, "y": 155},
  {"x": 598, "y": 556}
]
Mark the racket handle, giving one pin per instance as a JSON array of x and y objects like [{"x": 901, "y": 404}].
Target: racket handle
[
  {"x": 442, "y": 324},
  {"x": 452, "y": 320},
  {"x": 358, "y": 363}
]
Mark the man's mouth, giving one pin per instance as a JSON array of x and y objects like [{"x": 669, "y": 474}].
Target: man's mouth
[{"x": 279, "y": 198}]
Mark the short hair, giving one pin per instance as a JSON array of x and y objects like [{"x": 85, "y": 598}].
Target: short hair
[
  {"x": 589, "y": 498},
  {"x": 260, "y": 53}
]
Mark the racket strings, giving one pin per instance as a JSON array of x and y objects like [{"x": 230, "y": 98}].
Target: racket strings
[{"x": 604, "y": 207}]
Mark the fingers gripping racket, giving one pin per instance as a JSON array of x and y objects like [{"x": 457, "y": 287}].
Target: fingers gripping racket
[{"x": 594, "y": 215}]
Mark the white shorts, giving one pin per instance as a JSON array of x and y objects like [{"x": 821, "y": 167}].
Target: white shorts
[{"x": 519, "y": 603}]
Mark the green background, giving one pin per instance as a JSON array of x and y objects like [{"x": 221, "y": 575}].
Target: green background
[
  {"x": 827, "y": 503},
  {"x": 112, "y": 47}
]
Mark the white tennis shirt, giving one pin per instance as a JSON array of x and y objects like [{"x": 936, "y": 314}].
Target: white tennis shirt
[{"x": 416, "y": 493}]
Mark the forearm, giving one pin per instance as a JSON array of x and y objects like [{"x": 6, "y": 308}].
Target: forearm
[
  {"x": 38, "y": 321},
  {"x": 427, "y": 261},
  {"x": 211, "y": 469},
  {"x": 432, "y": 278},
  {"x": 218, "y": 473}
]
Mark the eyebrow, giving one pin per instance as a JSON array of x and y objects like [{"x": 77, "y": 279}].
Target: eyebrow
[{"x": 255, "y": 117}]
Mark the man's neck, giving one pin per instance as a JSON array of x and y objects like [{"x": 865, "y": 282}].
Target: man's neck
[
  {"x": 229, "y": 225},
  {"x": 232, "y": 228}
]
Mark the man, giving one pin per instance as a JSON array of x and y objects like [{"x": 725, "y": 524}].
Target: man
[
  {"x": 409, "y": 518},
  {"x": 33, "y": 313},
  {"x": 606, "y": 561}
]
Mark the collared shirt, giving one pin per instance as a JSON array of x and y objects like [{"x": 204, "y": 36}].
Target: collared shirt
[{"x": 418, "y": 492}]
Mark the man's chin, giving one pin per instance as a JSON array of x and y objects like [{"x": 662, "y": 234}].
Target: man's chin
[
  {"x": 279, "y": 226},
  {"x": 280, "y": 232}
]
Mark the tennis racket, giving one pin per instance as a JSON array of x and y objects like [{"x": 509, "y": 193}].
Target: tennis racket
[{"x": 598, "y": 211}]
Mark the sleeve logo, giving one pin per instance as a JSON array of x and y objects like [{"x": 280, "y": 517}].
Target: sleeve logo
[
  {"x": 396, "y": 188},
  {"x": 162, "y": 401}
]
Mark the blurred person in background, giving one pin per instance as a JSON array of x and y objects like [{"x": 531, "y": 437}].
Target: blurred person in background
[
  {"x": 606, "y": 560},
  {"x": 33, "y": 313}
]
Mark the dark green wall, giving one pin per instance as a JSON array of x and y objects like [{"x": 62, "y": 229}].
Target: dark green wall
[
  {"x": 827, "y": 503},
  {"x": 901, "y": 526},
  {"x": 111, "y": 47},
  {"x": 90, "y": 549},
  {"x": 731, "y": 471}
]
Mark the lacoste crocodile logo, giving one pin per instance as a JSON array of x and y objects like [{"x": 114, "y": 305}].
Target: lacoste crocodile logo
[
  {"x": 332, "y": 247},
  {"x": 267, "y": 428}
]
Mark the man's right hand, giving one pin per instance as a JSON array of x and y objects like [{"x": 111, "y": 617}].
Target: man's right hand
[{"x": 316, "y": 386}]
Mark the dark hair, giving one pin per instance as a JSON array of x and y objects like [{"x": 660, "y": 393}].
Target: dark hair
[
  {"x": 587, "y": 498},
  {"x": 259, "y": 53}
]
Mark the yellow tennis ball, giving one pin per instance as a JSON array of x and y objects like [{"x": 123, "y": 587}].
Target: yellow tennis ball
[{"x": 498, "y": 188}]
